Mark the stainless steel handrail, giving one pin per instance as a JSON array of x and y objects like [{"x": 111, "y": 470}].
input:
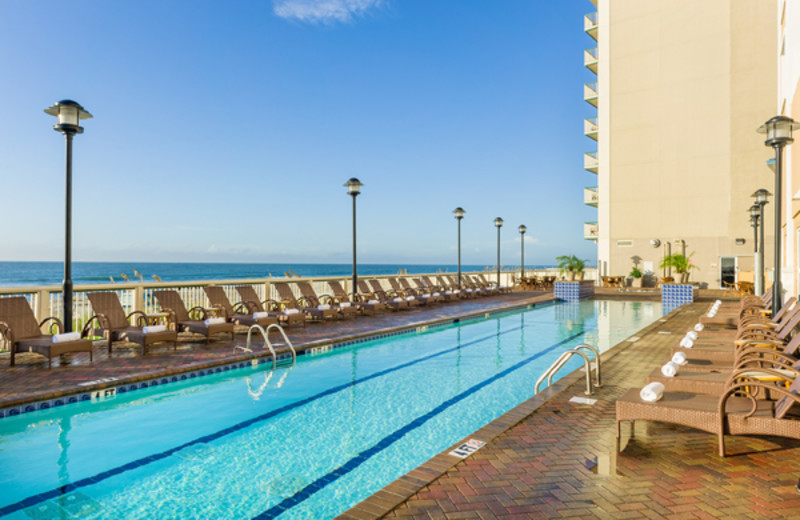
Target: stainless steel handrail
[{"x": 562, "y": 360}]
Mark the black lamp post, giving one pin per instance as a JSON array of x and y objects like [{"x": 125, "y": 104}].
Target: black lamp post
[
  {"x": 779, "y": 134},
  {"x": 69, "y": 114},
  {"x": 499, "y": 223},
  {"x": 459, "y": 212},
  {"x": 761, "y": 200},
  {"x": 754, "y": 215},
  {"x": 522, "y": 230},
  {"x": 354, "y": 188}
]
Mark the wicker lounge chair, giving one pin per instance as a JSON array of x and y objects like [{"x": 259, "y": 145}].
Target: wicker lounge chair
[
  {"x": 23, "y": 333},
  {"x": 452, "y": 286},
  {"x": 313, "y": 310},
  {"x": 344, "y": 309},
  {"x": 390, "y": 297},
  {"x": 250, "y": 300},
  {"x": 239, "y": 314},
  {"x": 429, "y": 296},
  {"x": 361, "y": 303},
  {"x": 172, "y": 303},
  {"x": 394, "y": 303},
  {"x": 408, "y": 295},
  {"x": 114, "y": 325},
  {"x": 740, "y": 410},
  {"x": 425, "y": 284}
]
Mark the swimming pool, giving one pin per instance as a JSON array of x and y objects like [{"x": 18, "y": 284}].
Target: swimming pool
[{"x": 303, "y": 442}]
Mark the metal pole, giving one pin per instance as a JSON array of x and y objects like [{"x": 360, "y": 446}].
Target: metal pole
[
  {"x": 522, "y": 255},
  {"x": 760, "y": 266},
  {"x": 498, "y": 256},
  {"x": 67, "y": 285},
  {"x": 776, "y": 284},
  {"x": 355, "y": 273},
  {"x": 459, "y": 253}
]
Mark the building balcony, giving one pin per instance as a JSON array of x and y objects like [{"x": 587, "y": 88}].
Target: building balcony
[
  {"x": 590, "y": 57},
  {"x": 591, "y": 231},
  {"x": 590, "y": 24},
  {"x": 590, "y": 128},
  {"x": 590, "y": 93},
  {"x": 590, "y": 162},
  {"x": 590, "y": 197}
]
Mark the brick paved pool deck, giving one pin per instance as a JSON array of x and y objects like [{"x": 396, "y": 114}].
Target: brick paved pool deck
[
  {"x": 30, "y": 380},
  {"x": 551, "y": 458}
]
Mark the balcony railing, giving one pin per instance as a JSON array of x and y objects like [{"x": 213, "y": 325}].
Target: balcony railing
[
  {"x": 590, "y": 59},
  {"x": 590, "y": 93},
  {"x": 590, "y": 24},
  {"x": 590, "y": 231},
  {"x": 590, "y": 197},
  {"x": 590, "y": 161},
  {"x": 590, "y": 128}
]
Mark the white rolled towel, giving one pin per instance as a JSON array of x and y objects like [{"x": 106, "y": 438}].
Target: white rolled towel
[
  {"x": 652, "y": 392},
  {"x": 692, "y": 335},
  {"x": 679, "y": 359},
  {"x": 150, "y": 329},
  {"x": 699, "y": 327},
  {"x": 427, "y": 295},
  {"x": 373, "y": 302},
  {"x": 291, "y": 311},
  {"x": 410, "y": 299},
  {"x": 718, "y": 302},
  {"x": 436, "y": 294},
  {"x": 214, "y": 321},
  {"x": 397, "y": 299},
  {"x": 687, "y": 343},
  {"x": 711, "y": 314},
  {"x": 344, "y": 304},
  {"x": 670, "y": 369},
  {"x": 323, "y": 307},
  {"x": 66, "y": 337},
  {"x": 260, "y": 315}
]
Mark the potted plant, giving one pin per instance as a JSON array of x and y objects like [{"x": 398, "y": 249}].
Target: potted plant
[
  {"x": 636, "y": 274},
  {"x": 682, "y": 264},
  {"x": 570, "y": 265}
]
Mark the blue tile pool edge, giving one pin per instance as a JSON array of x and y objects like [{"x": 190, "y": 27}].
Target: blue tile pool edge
[{"x": 311, "y": 349}]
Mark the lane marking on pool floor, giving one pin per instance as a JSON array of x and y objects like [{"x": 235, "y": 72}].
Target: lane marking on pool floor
[{"x": 104, "y": 475}]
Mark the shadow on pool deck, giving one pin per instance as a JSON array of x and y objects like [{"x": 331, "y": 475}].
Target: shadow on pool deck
[
  {"x": 31, "y": 381},
  {"x": 551, "y": 458}
]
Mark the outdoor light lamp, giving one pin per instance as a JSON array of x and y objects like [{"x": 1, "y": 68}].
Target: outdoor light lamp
[
  {"x": 779, "y": 134},
  {"x": 761, "y": 200},
  {"x": 459, "y": 213},
  {"x": 499, "y": 223},
  {"x": 522, "y": 230},
  {"x": 354, "y": 188},
  {"x": 755, "y": 211},
  {"x": 69, "y": 114}
]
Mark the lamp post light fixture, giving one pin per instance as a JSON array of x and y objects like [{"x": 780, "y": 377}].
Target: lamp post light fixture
[
  {"x": 779, "y": 134},
  {"x": 499, "y": 223},
  {"x": 459, "y": 213},
  {"x": 522, "y": 230},
  {"x": 69, "y": 114},
  {"x": 353, "y": 189},
  {"x": 761, "y": 200},
  {"x": 755, "y": 213}
]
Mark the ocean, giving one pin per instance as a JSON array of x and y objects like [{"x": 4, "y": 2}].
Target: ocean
[{"x": 52, "y": 273}]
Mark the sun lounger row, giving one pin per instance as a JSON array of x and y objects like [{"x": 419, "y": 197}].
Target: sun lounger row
[
  {"x": 744, "y": 384},
  {"x": 22, "y": 332}
]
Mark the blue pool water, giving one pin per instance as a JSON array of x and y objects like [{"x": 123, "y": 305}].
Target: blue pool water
[{"x": 303, "y": 442}]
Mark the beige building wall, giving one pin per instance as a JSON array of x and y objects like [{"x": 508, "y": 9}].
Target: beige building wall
[
  {"x": 687, "y": 85},
  {"x": 788, "y": 104}
]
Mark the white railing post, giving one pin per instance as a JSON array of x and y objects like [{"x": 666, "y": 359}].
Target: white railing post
[
  {"x": 42, "y": 304},
  {"x": 138, "y": 298}
]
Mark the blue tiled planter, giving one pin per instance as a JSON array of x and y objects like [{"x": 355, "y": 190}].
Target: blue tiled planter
[
  {"x": 673, "y": 295},
  {"x": 574, "y": 291}
]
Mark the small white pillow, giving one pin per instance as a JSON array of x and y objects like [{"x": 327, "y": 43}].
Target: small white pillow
[
  {"x": 373, "y": 302},
  {"x": 670, "y": 369},
  {"x": 260, "y": 315},
  {"x": 699, "y": 327},
  {"x": 323, "y": 307},
  {"x": 652, "y": 392},
  {"x": 153, "y": 328},
  {"x": 344, "y": 304},
  {"x": 291, "y": 311},
  {"x": 214, "y": 321},
  {"x": 66, "y": 337}
]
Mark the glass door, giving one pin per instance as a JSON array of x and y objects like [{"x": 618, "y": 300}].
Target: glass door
[{"x": 727, "y": 271}]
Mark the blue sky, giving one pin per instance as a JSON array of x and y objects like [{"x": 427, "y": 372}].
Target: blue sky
[{"x": 223, "y": 131}]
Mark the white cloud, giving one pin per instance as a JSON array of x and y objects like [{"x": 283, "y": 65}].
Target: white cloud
[{"x": 323, "y": 11}]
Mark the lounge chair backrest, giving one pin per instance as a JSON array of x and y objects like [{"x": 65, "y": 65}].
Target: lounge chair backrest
[
  {"x": 217, "y": 297},
  {"x": 443, "y": 282},
  {"x": 789, "y": 326},
  {"x": 108, "y": 304},
  {"x": 785, "y": 403},
  {"x": 306, "y": 290},
  {"x": 792, "y": 346},
  {"x": 16, "y": 312},
  {"x": 285, "y": 293},
  {"x": 170, "y": 299},
  {"x": 395, "y": 284},
  {"x": 248, "y": 294},
  {"x": 338, "y": 290},
  {"x": 376, "y": 286},
  {"x": 363, "y": 287},
  {"x": 405, "y": 284}
]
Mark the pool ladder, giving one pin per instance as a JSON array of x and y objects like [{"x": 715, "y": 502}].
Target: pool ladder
[
  {"x": 267, "y": 343},
  {"x": 562, "y": 360}
]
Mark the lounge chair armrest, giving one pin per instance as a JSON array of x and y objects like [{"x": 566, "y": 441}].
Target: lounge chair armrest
[
  {"x": 141, "y": 318},
  {"x": 748, "y": 389},
  {"x": 102, "y": 322},
  {"x": 56, "y": 322},
  {"x": 271, "y": 305},
  {"x": 6, "y": 332},
  {"x": 305, "y": 301},
  {"x": 757, "y": 352},
  {"x": 327, "y": 299},
  {"x": 172, "y": 318},
  {"x": 201, "y": 311},
  {"x": 241, "y": 308},
  {"x": 757, "y": 363},
  {"x": 221, "y": 310}
]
